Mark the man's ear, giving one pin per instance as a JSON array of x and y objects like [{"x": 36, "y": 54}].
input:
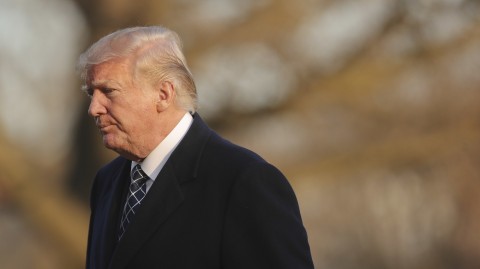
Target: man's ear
[{"x": 166, "y": 95}]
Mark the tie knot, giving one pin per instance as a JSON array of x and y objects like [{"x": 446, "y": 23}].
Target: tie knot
[{"x": 138, "y": 176}]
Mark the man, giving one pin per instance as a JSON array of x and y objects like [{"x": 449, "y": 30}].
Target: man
[{"x": 178, "y": 196}]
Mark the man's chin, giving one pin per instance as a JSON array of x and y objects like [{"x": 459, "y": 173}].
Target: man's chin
[{"x": 109, "y": 142}]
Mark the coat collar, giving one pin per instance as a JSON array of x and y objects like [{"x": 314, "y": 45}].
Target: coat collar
[{"x": 166, "y": 194}]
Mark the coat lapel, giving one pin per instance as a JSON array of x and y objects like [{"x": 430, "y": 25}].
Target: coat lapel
[
  {"x": 165, "y": 195},
  {"x": 107, "y": 214},
  {"x": 162, "y": 199}
]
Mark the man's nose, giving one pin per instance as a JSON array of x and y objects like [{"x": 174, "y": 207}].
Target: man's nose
[{"x": 97, "y": 106}]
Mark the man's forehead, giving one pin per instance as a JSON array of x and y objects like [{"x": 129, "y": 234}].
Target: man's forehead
[{"x": 102, "y": 72}]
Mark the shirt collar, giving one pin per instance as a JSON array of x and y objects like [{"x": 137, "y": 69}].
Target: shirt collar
[{"x": 154, "y": 162}]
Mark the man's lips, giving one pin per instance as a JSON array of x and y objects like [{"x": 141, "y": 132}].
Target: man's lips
[{"x": 104, "y": 127}]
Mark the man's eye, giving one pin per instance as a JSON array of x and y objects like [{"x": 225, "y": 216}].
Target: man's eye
[{"x": 107, "y": 90}]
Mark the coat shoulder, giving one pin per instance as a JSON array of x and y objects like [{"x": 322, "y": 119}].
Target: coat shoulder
[
  {"x": 229, "y": 154},
  {"x": 230, "y": 162}
]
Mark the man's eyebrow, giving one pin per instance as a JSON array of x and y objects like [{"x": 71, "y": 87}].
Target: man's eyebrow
[{"x": 102, "y": 84}]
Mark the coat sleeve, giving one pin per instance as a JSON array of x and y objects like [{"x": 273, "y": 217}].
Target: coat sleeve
[
  {"x": 263, "y": 226},
  {"x": 93, "y": 197}
]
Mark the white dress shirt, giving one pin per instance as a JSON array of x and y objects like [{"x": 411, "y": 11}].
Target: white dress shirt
[{"x": 154, "y": 162}]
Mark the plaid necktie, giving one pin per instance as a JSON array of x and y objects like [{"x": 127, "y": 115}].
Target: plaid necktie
[{"x": 136, "y": 193}]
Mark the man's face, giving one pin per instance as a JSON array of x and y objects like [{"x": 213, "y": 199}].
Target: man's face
[{"x": 124, "y": 110}]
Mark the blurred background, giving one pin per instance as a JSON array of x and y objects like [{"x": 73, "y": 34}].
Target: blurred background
[{"x": 370, "y": 108}]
